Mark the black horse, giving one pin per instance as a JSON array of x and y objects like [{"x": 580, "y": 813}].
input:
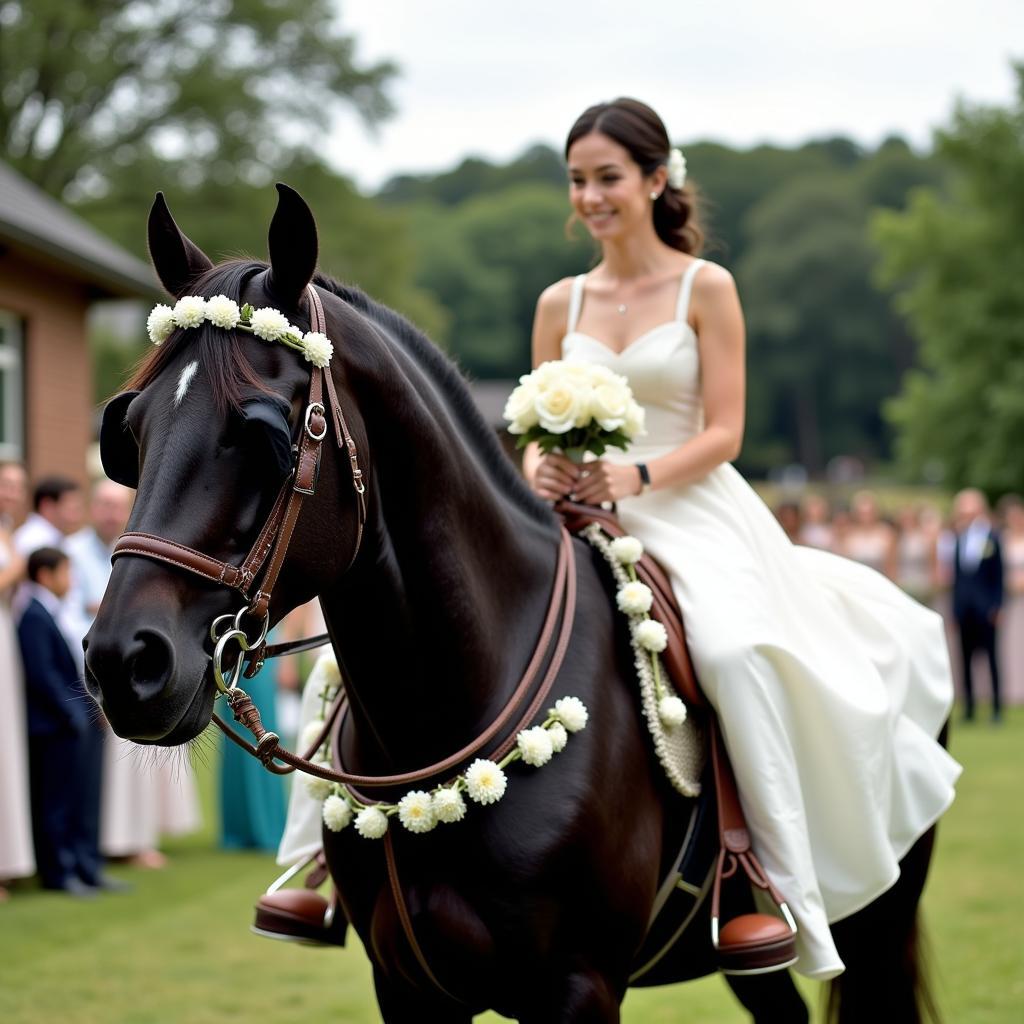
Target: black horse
[{"x": 535, "y": 906}]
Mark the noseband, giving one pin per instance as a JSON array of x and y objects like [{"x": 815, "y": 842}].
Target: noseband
[{"x": 270, "y": 549}]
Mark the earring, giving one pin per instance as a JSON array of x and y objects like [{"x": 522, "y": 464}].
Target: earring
[{"x": 654, "y": 196}]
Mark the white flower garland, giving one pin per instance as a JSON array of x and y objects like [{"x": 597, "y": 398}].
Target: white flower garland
[
  {"x": 419, "y": 811},
  {"x": 267, "y": 323}
]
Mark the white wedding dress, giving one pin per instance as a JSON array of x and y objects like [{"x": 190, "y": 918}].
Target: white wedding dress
[{"x": 830, "y": 683}]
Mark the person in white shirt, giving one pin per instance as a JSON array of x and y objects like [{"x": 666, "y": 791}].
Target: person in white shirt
[{"x": 56, "y": 513}]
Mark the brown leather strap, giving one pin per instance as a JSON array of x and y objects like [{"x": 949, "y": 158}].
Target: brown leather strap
[
  {"x": 148, "y": 545},
  {"x": 676, "y": 655}
]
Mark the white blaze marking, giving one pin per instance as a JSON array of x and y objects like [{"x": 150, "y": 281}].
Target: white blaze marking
[{"x": 184, "y": 380}]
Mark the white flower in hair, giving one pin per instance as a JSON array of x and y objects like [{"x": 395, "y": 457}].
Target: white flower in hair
[
  {"x": 268, "y": 323},
  {"x": 336, "y": 813},
  {"x": 371, "y": 823},
  {"x": 535, "y": 746},
  {"x": 416, "y": 811},
  {"x": 449, "y": 806},
  {"x": 559, "y": 737},
  {"x": 676, "y": 168},
  {"x": 485, "y": 781},
  {"x": 223, "y": 312},
  {"x": 317, "y": 348},
  {"x": 651, "y": 635},
  {"x": 190, "y": 311},
  {"x": 160, "y": 324},
  {"x": 627, "y": 550},
  {"x": 671, "y": 711},
  {"x": 634, "y": 598},
  {"x": 572, "y": 713}
]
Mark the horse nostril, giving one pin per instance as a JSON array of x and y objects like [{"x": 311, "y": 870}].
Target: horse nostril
[{"x": 150, "y": 664}]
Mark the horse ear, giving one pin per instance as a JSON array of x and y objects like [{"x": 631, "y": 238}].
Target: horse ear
[
  {"x": 178, "y": 260},
  {"x": 269, "y": 418},
  {"x": 293, "y": 247},
  {"x": 119, "y": 452}
]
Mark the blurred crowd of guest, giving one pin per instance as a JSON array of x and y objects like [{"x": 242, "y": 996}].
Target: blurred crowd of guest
[
  {"x": 967, "y": 564},
  {"x": 72, "y": 794}
]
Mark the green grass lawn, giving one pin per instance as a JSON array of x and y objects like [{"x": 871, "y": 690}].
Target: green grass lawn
[{"x": 178, "y": 949}]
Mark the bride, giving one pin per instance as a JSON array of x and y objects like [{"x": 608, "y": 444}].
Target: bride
[{"x": 830, "y": 684}]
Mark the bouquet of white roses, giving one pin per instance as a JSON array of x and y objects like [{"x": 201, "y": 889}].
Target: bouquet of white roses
[{"x": 574, "y": 408}]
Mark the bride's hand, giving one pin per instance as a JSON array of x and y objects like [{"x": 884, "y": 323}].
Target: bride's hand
[
  {"x": 607, "y": 481},
  {"x": 555, "y": 476}
]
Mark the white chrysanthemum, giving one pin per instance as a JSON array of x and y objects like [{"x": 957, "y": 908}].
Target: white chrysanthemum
[
  {"x": 485, "y": 781},
  {"x": 328, "y": 664},
  {"x": 449, "y": 806},
  {"x": 371, "y": 823},
  {"x": 160, "y": 324},
  {"x": 268, "y": 323},
  {"x": 535, "y": 746},
  {"x": 190, "y": 311},
  {"x": 336, "y": 813},
  {"x": 317, "y": 348},
  {"x": 223, "y": 312},
  {"x": 671, "y": 711},
  {"x": 676, "y": 166},
  {"x": 651, "y": 635},
  {"x": 559, "y": 737},
  {"x": 416, "y": 811},
  {"x": 310, "y": 734},
  {"x": 318, "y": 788},
  {"x": 572, "y": 713},
  {"x": 634, "y": 598},
  {"x": 627, "y": 550}
]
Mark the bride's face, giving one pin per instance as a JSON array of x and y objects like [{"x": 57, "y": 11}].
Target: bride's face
[{"x": 607, "y": 189}]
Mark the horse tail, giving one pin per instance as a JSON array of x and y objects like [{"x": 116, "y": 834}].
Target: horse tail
[{"x": 886, "y": 953}]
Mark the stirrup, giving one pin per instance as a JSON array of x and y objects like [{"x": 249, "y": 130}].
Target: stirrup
[{"x": 300, "y": 915}]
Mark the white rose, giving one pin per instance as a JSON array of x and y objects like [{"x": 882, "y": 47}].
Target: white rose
[
  {"x": 416, "y": 811},
  {"x": 190, "y": 311},
  {"x": 560, "y": 406},
  {"x": 627, "y": 550},
  {"x": 651, "y": 635},
  {"x": 336, "y": 813},
  {"x": 160, "y": 324},
  {"x": 572, "y": 713},
  {"x": 371, "y": 823},
  {"x": 634, "y": 424},
  {"x": 535, "y": 745},
  {"x": 608, "y": 405},
  {"x": 317, "y": 349},
  {"x": 267, "y": 323},
  {"x": 223, "y": 312},
  {"x": 519, "y": 410},
  {"x": 634, "y": 598},
  {"x": 671, "y": 711}
]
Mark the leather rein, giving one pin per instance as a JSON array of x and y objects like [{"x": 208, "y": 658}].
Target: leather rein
[{"x": 267, "y": 556}]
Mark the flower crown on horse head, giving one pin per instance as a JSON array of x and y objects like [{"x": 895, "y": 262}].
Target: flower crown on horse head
[{"x": 267, "y": 323}]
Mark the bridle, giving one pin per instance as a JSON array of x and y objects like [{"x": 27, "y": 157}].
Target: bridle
[{"x": 257, "y": 575}]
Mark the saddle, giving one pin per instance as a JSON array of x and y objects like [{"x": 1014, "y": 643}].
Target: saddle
[{"x": 750, "y": 943}]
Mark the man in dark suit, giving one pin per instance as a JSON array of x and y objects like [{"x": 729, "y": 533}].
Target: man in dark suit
[
  {"x": 60, "y": 721},
  {"x": 977, "y": 590}
]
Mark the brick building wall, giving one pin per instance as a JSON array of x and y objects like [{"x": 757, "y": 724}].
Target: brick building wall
[{"x": 57, "y": 370}]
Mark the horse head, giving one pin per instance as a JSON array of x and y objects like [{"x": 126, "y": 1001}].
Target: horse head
[{"x": 208, "y": 433}]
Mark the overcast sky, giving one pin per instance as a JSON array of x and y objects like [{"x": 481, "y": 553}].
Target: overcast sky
[{"x": 486, "y": 78}]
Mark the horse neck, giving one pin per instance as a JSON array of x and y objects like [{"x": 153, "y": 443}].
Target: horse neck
[{"x": 439, "y": 616}]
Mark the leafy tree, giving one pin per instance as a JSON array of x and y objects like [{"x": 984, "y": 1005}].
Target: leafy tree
[
  {"x": 956, "y": 259},
  {"x": 224, "y": 90}
]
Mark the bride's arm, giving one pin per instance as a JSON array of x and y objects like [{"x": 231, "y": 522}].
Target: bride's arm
[
  {"x": 719, "y": 323},
  {"x": 551, "y": 476}
]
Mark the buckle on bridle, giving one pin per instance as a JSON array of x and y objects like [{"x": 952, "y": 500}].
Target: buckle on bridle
[{"x": 315, "y": 408}]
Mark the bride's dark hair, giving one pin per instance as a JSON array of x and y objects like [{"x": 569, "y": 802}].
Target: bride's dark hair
[{"x": 638, "y": 129}]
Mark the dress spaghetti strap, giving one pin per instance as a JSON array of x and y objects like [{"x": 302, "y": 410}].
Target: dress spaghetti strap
[
  {"x": 683, "y": 305},
  {"x": 575, "y": 302}
]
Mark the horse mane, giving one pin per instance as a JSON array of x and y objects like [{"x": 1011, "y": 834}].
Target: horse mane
[
  {"x": 232, "y": 376},
  {"x": 443, "y": 374}
]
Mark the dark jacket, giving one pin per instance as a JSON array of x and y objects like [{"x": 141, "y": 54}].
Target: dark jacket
[
  {"x": 55, "y": 698},
  {"x": 978, "y": 592}
]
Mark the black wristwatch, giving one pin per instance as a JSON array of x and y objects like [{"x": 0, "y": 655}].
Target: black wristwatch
[{"x": 645, "y": 476}]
